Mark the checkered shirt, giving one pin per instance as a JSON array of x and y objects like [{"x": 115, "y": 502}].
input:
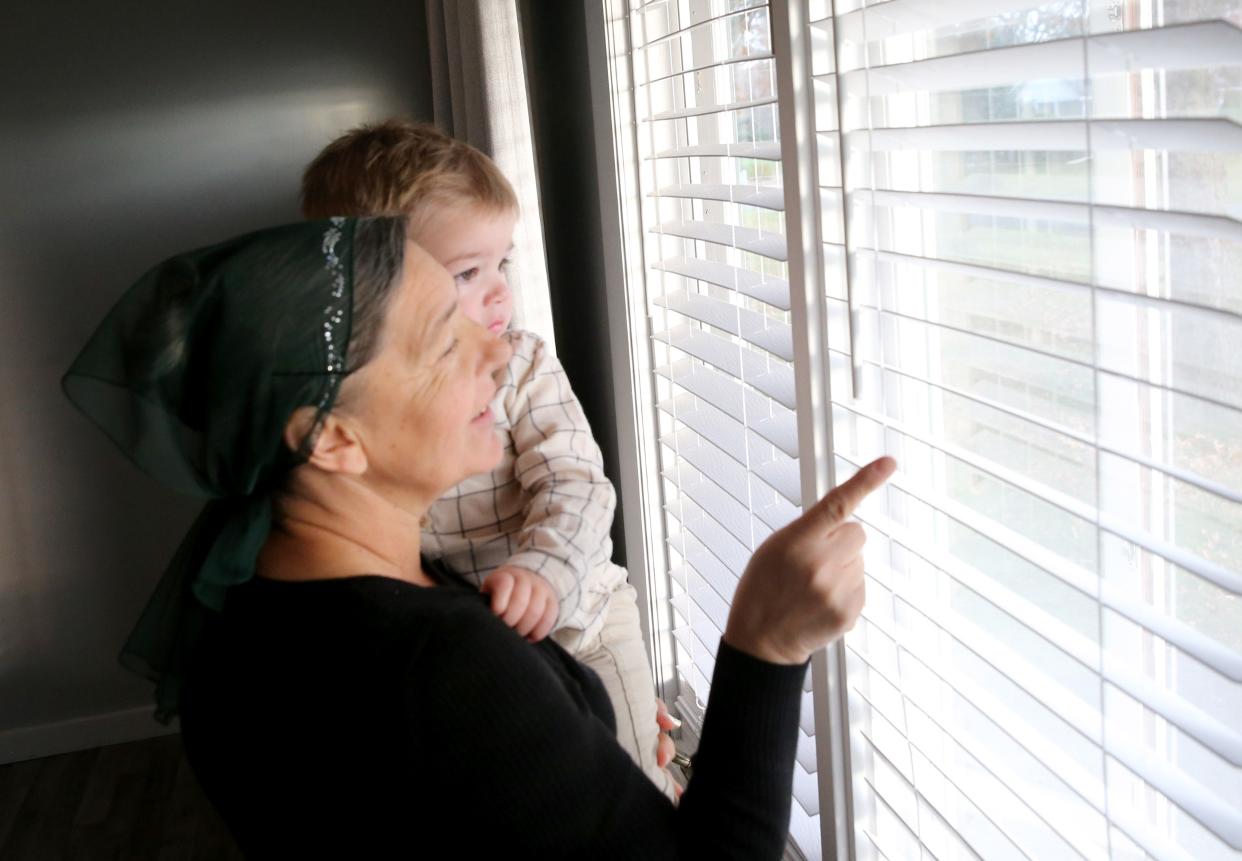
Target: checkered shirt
[{"x": 547, "y": 506}]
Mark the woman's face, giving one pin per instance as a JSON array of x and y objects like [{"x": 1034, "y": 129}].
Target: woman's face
[{"x": 420, "y": 406}]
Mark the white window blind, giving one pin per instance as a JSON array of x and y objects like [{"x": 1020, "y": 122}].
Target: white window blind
[
  {"x": 1041, "y": 318},
  {"x": 1030, "y": 225},
  {"x": 718, "y": 304}
]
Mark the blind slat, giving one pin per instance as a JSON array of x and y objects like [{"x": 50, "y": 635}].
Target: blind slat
[
  {"x": 1079, "y": 793},
  {"x": 767, "y": 515},
  {"x": 897, "y": 17},
  {"x": 1081, "y": 214},
  {"x": 771, "y": 291},
  {"x": 805, "y": 790},
  {"x": 1052, "y": 60},
  {"x": 1203, "y": 568},
  {"x": 1214, "y": 735},
  {"x": 764, "y": 150},
  {"x": 718, "y": 541},
  {"x": 719, "y": 429},
  {"x": 730, "y": 438},
  {"x": 1203, "y": 134},
  {"x": 707, "y": 66},
  {"x": 763, "y": 243},
  {"x": 701, "y": 636},
  {"x": 974, "y": 270},
  {"x": 1027, "y": 831},
  {"x": 1080, "y": 716},
  {"x": 1038, "y": 362},
  {"x": 1078, "y": 783},
  {"x": 767, "y": 418},
  {"x": 1037, "y": 424},
  {"x": 1003, "y": 718},
  {"x": 746, "y": 527},
  {"x": 1186, "y": 46},
  {"x": 780, "y": 472},
  {"x": 765, "y": 196},
  {"x": 705, "y": 110},
  {"x": 955, "y": 628},
  {"x": 712, "y": 603},
  {"x": 1199, "y": 45},
  {"x": 706, "y": 569},
  {"x": 1202, "y": 648},
  {"x": 1033, "y": 485},
  {"x": 701, "y": 23},
  {"x": 967, "y": 821},
  {"x": 779, "y": 475},
  {"x": 774, "y": 379},
  {"x": 732, "y": 476},
  {"x": 1222, "y": 740},
  {"x": 1215, "y": 815},
  {"x": 757, "y": 329},
  {"x": 1055, "y": 565}
]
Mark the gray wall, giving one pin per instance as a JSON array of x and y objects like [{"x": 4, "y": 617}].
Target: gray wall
[
  {"x": 559, "y": 84},
  {"x": 126, "y": 136}
]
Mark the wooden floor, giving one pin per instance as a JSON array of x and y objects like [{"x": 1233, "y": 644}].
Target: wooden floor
[{"x": 127, "y": 801}]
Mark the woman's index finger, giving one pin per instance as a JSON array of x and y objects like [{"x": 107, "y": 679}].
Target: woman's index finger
[{"x": 840, "y": 502}]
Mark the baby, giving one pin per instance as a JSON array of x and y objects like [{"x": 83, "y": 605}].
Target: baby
[{"x": 534, "y": 532}]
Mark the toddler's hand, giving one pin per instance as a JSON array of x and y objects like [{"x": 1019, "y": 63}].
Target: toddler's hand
[
  {"x": 523, "y": 600},
  {"x": 665, "y": 748},
  {"x": 666, "y": 723}
]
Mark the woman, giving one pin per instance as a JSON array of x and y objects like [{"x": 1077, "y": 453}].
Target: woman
[{"x": 351, "y": 700}]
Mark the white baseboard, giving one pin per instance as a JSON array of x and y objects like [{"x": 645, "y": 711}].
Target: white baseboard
[{"x": 80, "y": 734}]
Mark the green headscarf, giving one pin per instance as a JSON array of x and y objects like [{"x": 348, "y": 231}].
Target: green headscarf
[{"x": 194, "y": 374}]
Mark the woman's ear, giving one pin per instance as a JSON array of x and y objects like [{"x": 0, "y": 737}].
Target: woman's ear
[{"x": 337, "y": 447}]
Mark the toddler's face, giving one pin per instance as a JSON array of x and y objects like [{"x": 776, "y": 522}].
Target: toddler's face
[{"x": 474, "y": 244}]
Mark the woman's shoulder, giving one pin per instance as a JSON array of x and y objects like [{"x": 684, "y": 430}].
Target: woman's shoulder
[
  {"x": 389, "y": 625},
  {"x": 372, "y": 609},
  {"x": 439, "y": 638},
  {"x": 388, "y": 595}
]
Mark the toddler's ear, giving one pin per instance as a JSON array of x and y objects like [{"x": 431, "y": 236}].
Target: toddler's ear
[{"x": 337, "y": 448}]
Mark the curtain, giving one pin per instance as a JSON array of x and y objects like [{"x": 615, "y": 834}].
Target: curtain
[{"x": 478, "y": 80}]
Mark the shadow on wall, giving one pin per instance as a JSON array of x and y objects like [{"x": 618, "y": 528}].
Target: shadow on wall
[{"x": 125, "y": 139}]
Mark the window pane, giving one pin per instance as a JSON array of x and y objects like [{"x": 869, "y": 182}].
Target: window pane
[{"x": 1038, "y": 321}]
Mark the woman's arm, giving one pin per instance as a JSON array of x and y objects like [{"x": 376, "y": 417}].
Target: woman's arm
[
  {"x": 503, "y": 729},
  {"x": 540, "y": 776}
]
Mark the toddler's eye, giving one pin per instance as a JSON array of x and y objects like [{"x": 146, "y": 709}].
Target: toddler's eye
[
  {"x": 505, "y": 264},
  {"x": 467, "y": 276}
]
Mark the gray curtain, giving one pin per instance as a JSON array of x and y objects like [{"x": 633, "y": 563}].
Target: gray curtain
[
  {"x": 558, "y": 78},
  {"x": 478, "y": 81},
  {"x": 488, "y": 56}
]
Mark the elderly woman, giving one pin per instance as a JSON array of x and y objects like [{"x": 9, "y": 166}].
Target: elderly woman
[{"x": 350, "y": 700}]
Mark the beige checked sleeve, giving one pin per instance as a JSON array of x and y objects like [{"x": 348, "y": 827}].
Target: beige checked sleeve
[{"x": 565, "y": 535}]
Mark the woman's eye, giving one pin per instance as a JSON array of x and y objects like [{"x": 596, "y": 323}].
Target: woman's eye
[
  {"x": 467, "y": 276},
  {"x": 451, "y": 347}
]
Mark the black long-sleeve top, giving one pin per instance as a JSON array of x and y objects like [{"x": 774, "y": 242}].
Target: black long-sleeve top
[{"x": 366, "y": 717}]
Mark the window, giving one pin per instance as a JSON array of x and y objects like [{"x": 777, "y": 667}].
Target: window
[
  {"x": 1012, "y": 231},
  {"x": 718, "y": 324}
]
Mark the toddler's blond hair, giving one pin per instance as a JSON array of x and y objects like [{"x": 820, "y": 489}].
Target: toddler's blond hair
[{"x": 396, "y": 167}]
